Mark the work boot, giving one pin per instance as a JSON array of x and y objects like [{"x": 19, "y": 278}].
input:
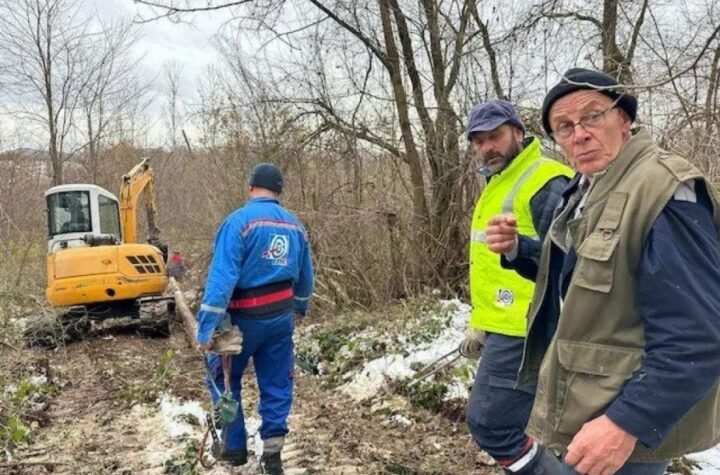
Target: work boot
[
  {"x": 233, "y": 457},
  {"x": 544, "y": 462},
  {"x": 271, "y": 463}
]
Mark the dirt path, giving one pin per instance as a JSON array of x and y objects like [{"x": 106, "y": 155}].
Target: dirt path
[{"x": 105, "y": 419}]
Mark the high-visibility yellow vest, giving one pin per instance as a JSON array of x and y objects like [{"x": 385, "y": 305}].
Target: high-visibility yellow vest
[{"x": 500, "y": 298}]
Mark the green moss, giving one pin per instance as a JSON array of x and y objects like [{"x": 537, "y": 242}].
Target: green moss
[{"x": 186, "y": 462}]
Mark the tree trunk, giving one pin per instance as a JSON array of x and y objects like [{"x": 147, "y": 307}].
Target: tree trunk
[{"x": 412, "y": 155}]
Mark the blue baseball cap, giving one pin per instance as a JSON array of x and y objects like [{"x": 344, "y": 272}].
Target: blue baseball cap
[{"x": 492, "y": 114}]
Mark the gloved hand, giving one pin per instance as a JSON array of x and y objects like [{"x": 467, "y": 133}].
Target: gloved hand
[
  {"x": 472, "y": 346},
  {"x": 227, "y": 341}
]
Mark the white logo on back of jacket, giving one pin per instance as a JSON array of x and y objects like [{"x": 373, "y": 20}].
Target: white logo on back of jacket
[{"x": 278, "y": 249}]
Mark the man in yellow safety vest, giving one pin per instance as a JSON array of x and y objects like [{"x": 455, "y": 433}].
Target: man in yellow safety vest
[{"x": 524, "y": 184}]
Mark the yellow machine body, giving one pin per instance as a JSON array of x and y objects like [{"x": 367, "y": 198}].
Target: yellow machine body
[{"x": 89, "y": 275}]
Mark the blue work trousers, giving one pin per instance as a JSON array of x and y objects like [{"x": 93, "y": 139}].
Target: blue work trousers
[
  {"x": 269, "y": 342},
  {"x": 498, "y": 411}
]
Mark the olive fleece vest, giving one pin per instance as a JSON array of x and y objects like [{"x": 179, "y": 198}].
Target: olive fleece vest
[{"x": 599, "y": 341}]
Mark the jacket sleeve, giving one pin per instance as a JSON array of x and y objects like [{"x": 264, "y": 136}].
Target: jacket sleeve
[
  {"x": 223, "y": 275},
  {"x": 678, "y": 297},
  {"x": 304, "y": 286},
  {"x": 525, "y": 260}
]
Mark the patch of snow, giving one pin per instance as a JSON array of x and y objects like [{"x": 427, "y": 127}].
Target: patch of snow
[
  {"x": 172, "y": 412},
  {"x": 709, "y": 461},
  {"x": 254, "y": 442},
  {"x": 364, "y": 385},
  {"x": 20, "y": 323},
  {"x": 368, "y": 381},
  {"x": 38, "y": 379},
  {"x": 392, "y": 366},
  {"x": 161, "y": 427},
  {"x": 456, "y": 390},
  {"x": 151, "y": 428},
  {"x": 401, "y": 420}
]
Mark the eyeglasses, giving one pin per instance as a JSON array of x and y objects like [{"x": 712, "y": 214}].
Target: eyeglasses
[{"x": 593, "y": 120}]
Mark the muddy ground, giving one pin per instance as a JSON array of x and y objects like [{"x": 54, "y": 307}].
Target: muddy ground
[{"x": 98, "y": 414}]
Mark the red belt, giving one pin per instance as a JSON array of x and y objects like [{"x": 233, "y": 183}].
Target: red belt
[{"x": 259, "y": 301}]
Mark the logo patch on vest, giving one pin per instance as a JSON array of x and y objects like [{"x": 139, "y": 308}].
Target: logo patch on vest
[
  {"x": 504, "y": 297},
  {"x": 278, "y": 250}
]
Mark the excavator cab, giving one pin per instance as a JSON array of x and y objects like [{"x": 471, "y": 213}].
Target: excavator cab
[{"x": 82, "y": 216}]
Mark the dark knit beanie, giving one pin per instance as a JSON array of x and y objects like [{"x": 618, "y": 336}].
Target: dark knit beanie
[
  {"x": 577, "y": 79},
  {"x": 268, "y": 176}
]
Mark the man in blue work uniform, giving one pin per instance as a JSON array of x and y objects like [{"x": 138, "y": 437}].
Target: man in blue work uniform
[
  {"x": 262, "y": 275},
  {"x": 624, "y": 327}
]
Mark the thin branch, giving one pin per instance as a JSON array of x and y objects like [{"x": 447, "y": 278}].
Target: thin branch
[
  {"x": 658, "y": 83},
  {"x": 30, "y": 463},
  {"x": 172, "y": 10},
  {"x": 490, "y": 50},
  {"x": 576, "y": 15},
  {"x": 354, "y": 31},
  {"x": 12, "y": 347},
  {"x": 636, "y": 33}
]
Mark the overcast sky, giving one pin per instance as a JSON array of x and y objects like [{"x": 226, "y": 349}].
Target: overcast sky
[
  {"x": 163, "y": 40},
  {"x": 188, "y": 43}
]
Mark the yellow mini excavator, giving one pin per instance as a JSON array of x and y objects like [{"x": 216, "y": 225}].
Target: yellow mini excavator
[{"x": 96, "y": 268}]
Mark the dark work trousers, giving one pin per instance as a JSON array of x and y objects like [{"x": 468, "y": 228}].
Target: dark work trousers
[
  {"x": 498, "y": 410},
  {"x": 657, "y": 468}
]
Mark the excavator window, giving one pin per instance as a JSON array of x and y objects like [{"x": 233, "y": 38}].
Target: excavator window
[
  {"x": 69, "y": 212},
  {"x": 109, "y": 216}
]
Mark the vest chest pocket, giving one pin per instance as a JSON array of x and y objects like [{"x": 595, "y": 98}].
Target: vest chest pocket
[{"x": 596, "y": 261}]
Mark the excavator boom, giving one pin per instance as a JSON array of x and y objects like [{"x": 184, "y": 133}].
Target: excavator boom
[{"x": 136, "y": 183}]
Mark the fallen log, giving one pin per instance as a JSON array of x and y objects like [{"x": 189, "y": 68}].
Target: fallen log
[{"x": 186, "y": 316}]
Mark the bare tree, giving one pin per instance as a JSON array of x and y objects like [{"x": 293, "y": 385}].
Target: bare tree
[
  {"x": 113, "y": 88},
  {"x": 42, "y": 64},
  {"x": 172, "y": 72},
  {"x": 391, "y": 82},
  {"x": 396, "y": 77},
  {"x": 618, "y": 45}
]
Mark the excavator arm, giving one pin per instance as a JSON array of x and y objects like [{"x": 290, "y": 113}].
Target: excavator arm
[{"x": 138, "y": 182}]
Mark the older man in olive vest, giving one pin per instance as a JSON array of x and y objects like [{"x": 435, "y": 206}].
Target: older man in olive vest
[
  {"x": 522, "y": 182},
  {"x": 624, "y": 328}
]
